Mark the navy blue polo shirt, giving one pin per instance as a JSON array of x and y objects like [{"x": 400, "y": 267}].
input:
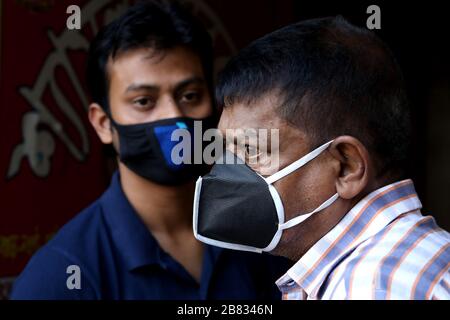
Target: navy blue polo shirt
[{"x": 116, "y": 257}]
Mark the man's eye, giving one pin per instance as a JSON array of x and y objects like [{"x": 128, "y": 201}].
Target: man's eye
[
  {"x": 190, "y": 97},
  {"x": 144, "y": 103}
]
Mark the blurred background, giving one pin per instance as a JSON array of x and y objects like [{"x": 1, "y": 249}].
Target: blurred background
[{"x": 51, "y": 163}]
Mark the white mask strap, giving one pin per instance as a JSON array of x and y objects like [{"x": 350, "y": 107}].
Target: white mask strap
[
  {"x": 303, "y": 217},
  {"x": 297, "y": 164}
]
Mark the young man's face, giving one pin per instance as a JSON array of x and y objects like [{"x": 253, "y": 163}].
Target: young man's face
[{"x": 146, "y": 86}]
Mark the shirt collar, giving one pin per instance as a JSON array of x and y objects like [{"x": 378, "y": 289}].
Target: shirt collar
[
  {"x": 369, "y": 216},
  {"x": 132, "y": 238}
]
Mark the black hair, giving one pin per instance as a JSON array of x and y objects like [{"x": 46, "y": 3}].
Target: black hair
[
  {"x": 160, "y": 25},
  {"x": 333, "y": 79}
]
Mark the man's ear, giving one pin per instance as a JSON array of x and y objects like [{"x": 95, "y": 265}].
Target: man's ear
[
  {"x": 101, "y": 123},
  {"x": 354, "y": 166}
]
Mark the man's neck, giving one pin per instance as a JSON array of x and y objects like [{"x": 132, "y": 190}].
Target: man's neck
[
  {"x": 163, "y": 209},
  {"x": 167, "y": 213},
  {"x": 304, "y": 236}
]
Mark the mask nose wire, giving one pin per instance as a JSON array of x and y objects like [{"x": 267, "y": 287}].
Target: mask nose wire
[{"x": 297, "y": 164}]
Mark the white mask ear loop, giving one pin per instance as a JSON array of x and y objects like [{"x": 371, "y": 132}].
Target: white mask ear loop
[
  {"x": 299, "y": 219},
  {"x": 291, "y": 168},
  {"x": 297, "y": 164}
]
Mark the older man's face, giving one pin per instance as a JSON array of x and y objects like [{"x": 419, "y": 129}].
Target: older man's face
[{"x": 301, "y": 191}]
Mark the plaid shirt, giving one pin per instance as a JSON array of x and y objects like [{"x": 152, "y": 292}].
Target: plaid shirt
[{"x": 382, "y": 249}]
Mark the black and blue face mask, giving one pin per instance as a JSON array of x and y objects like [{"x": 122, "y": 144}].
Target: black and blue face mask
[{"x": 146, "y": 149}]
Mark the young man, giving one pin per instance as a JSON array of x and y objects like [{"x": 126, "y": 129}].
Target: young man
[
  {"x": 149, "y": 73},
  {"x": 341, "y": 205}
]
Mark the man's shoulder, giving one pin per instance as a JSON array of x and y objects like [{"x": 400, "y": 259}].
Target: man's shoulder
[
  {"x": 404, "y": 261},
  {"x": 82, "y": 231},
  {"x": 78, "y": 243}
]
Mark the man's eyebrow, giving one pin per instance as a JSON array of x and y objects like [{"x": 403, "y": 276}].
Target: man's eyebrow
[
  {"x": 184, "y": 83},
  {"x": 141, "y": 86}
]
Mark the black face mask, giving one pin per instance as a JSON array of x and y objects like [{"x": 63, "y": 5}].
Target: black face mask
[
  {"x": 246, "y": 215},
  {"x": 146, "y": 149},
  {"x": 236, "y": 208}
]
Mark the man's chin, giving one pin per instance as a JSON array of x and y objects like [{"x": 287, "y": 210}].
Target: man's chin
[{"x": 281, "y": 251}]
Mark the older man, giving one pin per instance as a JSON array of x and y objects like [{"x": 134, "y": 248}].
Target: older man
[{"x": 342, "y": 204}]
